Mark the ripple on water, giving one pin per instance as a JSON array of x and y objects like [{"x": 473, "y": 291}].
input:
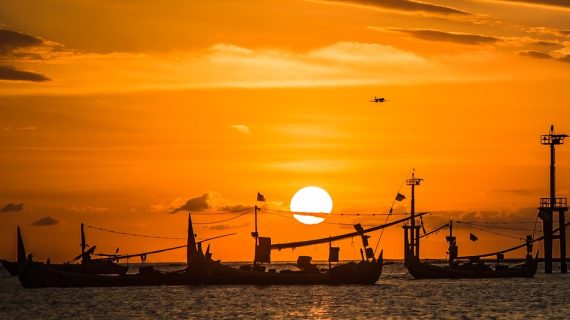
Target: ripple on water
[{"x": 395, "y": 296}]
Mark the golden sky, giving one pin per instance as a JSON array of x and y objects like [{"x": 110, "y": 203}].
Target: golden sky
[{"x": 113, "y": 113}]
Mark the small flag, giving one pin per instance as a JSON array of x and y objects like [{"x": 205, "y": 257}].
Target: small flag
[
  {"x": 473, "y": 237},
  {"x": 260, "y": 197},
  {"x": 400, "y": 197},
  {"x": 391, "y": 210},
  {"x": 544, "y": 215}
]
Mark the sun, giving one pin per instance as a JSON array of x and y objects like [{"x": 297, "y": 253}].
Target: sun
[{"x": 311, "y": 199}]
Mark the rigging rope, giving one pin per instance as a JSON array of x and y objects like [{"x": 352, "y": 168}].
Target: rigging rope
[
  {"x": 134, "y": 234},
  {"x": 390, "y": 212},
  {"x": 496, "y": 233},
  {"x": 224, "y": 220},
  {"x": 493, "y": 227}
]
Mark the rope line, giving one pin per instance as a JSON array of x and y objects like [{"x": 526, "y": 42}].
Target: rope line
[
  {"x": 134, "y": 234},
  {"x": 390, "y": 212},
  {"x": 224, "y": 220},
  {"x": 496, "y": 233},
  {"x": 493, "y": 227}
]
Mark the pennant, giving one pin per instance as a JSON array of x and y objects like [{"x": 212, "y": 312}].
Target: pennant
[
  {"x": 263, "y": 250},
  {"x": 473, "y": 237},
  {"x": 260, "y": 197},
  {"x": 400, "y": 197},
  {"x": 334, "y": 254}
]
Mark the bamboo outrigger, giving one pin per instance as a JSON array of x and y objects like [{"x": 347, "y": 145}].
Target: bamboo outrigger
[
  {"x": 86, "y": 264},
  {"x": 203, "y": 270}
]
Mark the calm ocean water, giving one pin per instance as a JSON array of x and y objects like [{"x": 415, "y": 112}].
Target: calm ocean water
[{"x": 395, "y": 296}]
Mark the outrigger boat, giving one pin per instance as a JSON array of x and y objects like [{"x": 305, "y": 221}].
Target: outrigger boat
[
  {"x": 87, "y": 265},
  {"x": 474, "y": 267},
  {"x": 203, "y": 270}
]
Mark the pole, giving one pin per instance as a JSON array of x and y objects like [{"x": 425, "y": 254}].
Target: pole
[
  {"x": 83, "y": 244},
  {"x": 562, "y": 224},
  {"x": 413, "y": 219},
  {"x": 255, "y": 235}
]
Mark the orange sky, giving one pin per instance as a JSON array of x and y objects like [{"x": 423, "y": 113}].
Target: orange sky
[{"x": 113, "y": 113}]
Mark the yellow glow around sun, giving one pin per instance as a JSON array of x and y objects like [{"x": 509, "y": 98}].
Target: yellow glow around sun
[{"x": 311, "y": 200}]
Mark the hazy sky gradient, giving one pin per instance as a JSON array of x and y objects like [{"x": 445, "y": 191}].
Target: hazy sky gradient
[{"x": 113, "y": 113}]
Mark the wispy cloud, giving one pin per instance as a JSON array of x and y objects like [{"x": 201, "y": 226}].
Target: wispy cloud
[
  {"x": 12, "y": 207},
  {"x": 554, "y": 3},
  {"x": 455, "y": 37},
  {"x": 45, "y": 222},
  {"x": 241, "y": 128},
  {"x": 401, "y": 5},
  {"x": 16, "y": 46},
  {"x": 13, "y": 74},
  {"x": 544, "y": 56}
]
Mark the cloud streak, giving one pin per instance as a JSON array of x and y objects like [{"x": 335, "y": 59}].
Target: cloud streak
[
  {"x": 402, "y": 5},
  {"x": 12, "y": 207},
  {"x": 11, "y": 40},
  {"x": 15, "y": 46},
  {"x": 544, "y": 56},
  {"x": 45, "y": 222},
  {"x": 454, "y": 37},
  {"x": 555, "y": 3},
  {"x": 13, "y": 74}
]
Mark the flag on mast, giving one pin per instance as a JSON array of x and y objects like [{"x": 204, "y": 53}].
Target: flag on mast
[
  {"x": 260, "y": 197},
  {"x": 473, "y": 237},
  {"x": 400, "y": 197}
]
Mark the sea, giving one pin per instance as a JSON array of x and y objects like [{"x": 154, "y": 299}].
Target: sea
[{"x": 395, "y": 296}]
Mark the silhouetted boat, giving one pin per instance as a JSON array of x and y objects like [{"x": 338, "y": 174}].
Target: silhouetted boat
[
  {"x": 87, "y": 265},
  {"x": 202, "y": 270},
  {"x": 471, "y": 269},
  {"x": 474, "y": 267},
  {"x": 205, "y": 271}
]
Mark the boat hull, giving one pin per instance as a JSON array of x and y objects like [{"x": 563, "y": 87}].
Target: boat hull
[
  {"x": 91, "y": 267},
  {"x": 204, "y": 271},
  {"x": 36, "y": 275},
  {"x": 424, "y": 270},
  {"x": 12, "y": 267}
]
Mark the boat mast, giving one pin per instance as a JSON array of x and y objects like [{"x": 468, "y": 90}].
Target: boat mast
[
  {"x": 452, "y": 245},
  {"x": 83, "y": 244},
  {"x": 255, "y": 235},
  {"x": 414, "y": 230}
]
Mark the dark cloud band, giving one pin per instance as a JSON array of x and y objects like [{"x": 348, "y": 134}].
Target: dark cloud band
[
  {"x": 405, "y": 5},
  {"x": 11, "y": 73},
  {"x": 436, "y": 35}
]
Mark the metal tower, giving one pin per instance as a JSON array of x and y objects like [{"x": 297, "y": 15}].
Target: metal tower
[{"x": 548, "y": 206}]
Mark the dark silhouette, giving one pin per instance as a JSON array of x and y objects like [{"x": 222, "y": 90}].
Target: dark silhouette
[
  {"x": 86, "y": 265},
  {"x": 378, "y": 100},
  {"x": 548, "y": 206},
  {"x": 474, "y": 268}
]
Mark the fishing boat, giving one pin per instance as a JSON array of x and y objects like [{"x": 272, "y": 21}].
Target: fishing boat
[
  {"x": 471, "y": 267},
  {"x": 86, "y": 264},
  {"x": 203, "y": 270}
]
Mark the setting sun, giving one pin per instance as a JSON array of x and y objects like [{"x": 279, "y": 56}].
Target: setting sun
[{"x": 311, "y": 200}]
